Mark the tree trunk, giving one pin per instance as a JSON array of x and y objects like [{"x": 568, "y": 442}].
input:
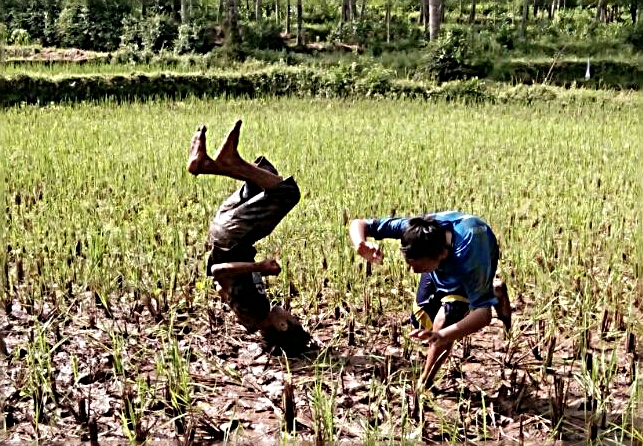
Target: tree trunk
[
  {"x": 523, "y": 22},
  {"x": 426, "y": 18},
  {"x": 345, "y": 10},
  {"x": 288, "y": 17},
  {"x": 600, "y": 15},
  {"x": 472, "y": 13},
  {"x": 233, "y": 23},
  {"x": 362, "y": 11},
  {"x": 535, "y": 8},
  {"x": 300, "y": 23},
  {"x": 388, "y": 21},
  {"x": 258, "y": 10},
  {"x": 277, "y": 12},
  {"x": 633, "y": 8},
  {"x": 3, "y": 39},
  {"x": 185, "y": 12},
  {"x": 434, "y": 19},
  {"x": 340, "y": 28},
  {"x": 221, "y": 11},
  {"x": 353, "y": 6},
  {"x": 420, "y": 20},
  {"x": 177, "y": 11}
]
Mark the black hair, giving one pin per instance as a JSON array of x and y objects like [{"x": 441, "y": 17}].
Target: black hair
[
  {"x": 295, "y": 341},
  {"x": 423, "y": 237}
]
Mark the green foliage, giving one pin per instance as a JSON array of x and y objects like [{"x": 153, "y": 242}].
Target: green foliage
[
  {"x": 507, "y": 36},
  {"x": 264, "y": 36},
  {"x": 198, "y": 37},
  {"x": 73, "y": 26},
  {"x": 452, "y": 57},
  {"x": 604, "y": 73},
  {"x": 153, "y": 33},
  {"x": 3, "y": 42},
  {"x": 633, "y": 35},
  {"x": 20, "y": 37},
  {"x": 159, "y": 31},
  {"x": 345, "y": 80},
  {"x": 132, "y": 32},
  {"x": 91, "y": 24},
  {"x": 319, "y": 32}
]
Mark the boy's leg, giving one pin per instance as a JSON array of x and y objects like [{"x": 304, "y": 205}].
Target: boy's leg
[
  {"x": 227, "y": 161},
  {"x": 435, "y": 354},
  {"x": 434, "y": 311},
  {"x": 255, "y": 218}
]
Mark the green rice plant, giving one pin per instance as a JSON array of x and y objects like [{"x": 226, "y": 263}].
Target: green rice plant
[
  {"x": 40, "y": 375},
  {"x": 173, "y": 365},
  {"x": 323, "y": 410},
  {"x": 135, "y": 404},
  {"x": 103, "y": 219}
]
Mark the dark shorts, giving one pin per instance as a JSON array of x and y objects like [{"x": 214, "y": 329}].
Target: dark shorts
[
  {"x": 247, "y": 216},
  {"x": 429, "y": 300}
]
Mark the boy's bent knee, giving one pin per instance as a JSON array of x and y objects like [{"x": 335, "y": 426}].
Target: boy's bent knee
[{"x": 289, "y": 193}]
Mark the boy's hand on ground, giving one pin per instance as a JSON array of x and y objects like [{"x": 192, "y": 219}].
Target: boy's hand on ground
[
  {"x": 270, "y": 267},
  {"x": 370, "y": 252}
]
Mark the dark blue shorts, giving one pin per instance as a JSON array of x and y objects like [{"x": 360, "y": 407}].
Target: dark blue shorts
[{"x": 429, "y": 300}]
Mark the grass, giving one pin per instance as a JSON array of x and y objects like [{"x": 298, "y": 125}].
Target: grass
[{"x": 106, "y": 230}]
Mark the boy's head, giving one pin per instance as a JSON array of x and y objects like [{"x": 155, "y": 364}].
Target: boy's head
[
  {"x": 282, "y": 331},
  {"x": 424, "y": 244}
]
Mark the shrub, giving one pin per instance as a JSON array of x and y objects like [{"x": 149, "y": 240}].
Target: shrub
[
  {"x": 198, "y": 37},
  {"x": 132, "y": 32},
  {"x": 73, "y": 25},
  {"x": 265, "y": 35},
  {"x": 507, "y": 36},
  {"x": 452, "y": 57},
  {"x": 633, "y": 35},
  {"x": 20, "y": 37},
  {"x": 91, "y": 25},
  {"x": 316, "y": 31},
  {"x": 159, "y": 31}
]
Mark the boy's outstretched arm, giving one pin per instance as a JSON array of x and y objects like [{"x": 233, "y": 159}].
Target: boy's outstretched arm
[
  {"x": 379, "y": 229},
  {"x": 358, "y": 233}
]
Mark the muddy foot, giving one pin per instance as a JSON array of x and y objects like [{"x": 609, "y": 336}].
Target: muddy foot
[
  {"x": 198, "y": 156},
  {"x": 227, "y": 157}
]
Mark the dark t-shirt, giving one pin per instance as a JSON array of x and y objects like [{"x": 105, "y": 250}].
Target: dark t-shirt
[{"x": 248, "y": 297}]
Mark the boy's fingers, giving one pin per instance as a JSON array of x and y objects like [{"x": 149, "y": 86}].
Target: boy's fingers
[{"x": 416, "y": 333}]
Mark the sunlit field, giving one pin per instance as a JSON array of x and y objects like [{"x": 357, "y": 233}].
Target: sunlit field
[{"x": 110, "y": 328}]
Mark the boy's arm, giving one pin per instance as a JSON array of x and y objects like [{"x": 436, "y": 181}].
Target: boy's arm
[
  {"x": 268, "y": 267},
  {"x": 379, "y": 229},
  {"x": 475, "y": 321}
]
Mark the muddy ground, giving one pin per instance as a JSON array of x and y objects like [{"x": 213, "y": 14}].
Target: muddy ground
[{"x": 237, "y": 389}]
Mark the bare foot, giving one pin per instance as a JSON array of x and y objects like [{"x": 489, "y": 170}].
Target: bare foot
[
  {"x": 227, "y": 157},
  {"x": 198, "y": 155}
]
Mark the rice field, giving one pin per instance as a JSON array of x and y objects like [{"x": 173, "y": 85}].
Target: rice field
[{"x": 109, "y": 329}]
